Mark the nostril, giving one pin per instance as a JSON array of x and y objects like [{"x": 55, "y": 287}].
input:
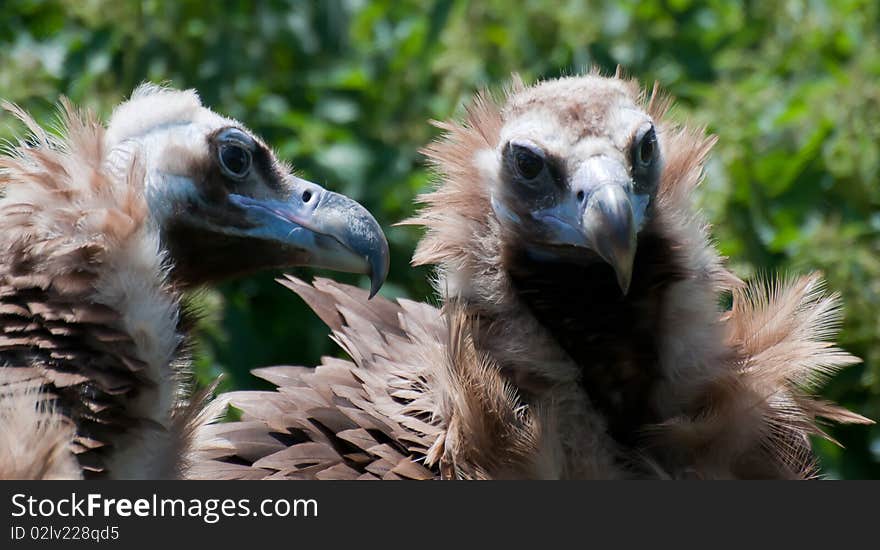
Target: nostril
[
  {"x": 580, "y": 196},
  {"x": 307, "y": 196}
]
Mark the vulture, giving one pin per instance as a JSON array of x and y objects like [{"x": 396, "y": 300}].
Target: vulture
[
  {"x": 102, "y": 231},
  {"x": 588, "y": 329}
]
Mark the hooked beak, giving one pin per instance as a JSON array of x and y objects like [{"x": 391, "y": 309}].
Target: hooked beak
[
  {"x": 608, "y": 228},
  {"x": 334, "y": 231},
  {"x": 602, "y": 213}
]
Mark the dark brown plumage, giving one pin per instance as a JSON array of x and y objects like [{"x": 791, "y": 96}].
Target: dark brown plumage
[
  {"x": 616, "y": 345},
  {"x": 97, "y": 243},
  {"x": 580, "y": 335},
  {"x": 335, "y": 420}
]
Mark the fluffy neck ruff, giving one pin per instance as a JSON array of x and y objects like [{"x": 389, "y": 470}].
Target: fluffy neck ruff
[{"x": 85, "y": 302}]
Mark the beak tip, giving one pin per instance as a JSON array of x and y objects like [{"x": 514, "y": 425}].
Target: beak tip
[
  {"x": 622, "y": 263},
  {"x": 379, "y": 263},
  {"x": 375, "y": 285},
  {"x": 624, "y": 284},
  {"x": 608, "y": 222}
]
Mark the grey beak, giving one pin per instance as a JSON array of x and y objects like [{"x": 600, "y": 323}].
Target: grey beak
[
  {"x": 600, "y": 213},
  {"x": 334, "y": 231},
  {"x": 359, "y": 234},
  {"x": 608, "y": 225}
]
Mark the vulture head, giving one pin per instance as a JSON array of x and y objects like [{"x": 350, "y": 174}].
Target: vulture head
[
  {"x": 225, "y": 205},
  {"x": 574, "y": 173},
  {"x": 569, "y": 172}
]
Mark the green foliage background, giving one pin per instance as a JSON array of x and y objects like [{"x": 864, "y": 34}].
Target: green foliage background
[{"x": 344, "y": 90}]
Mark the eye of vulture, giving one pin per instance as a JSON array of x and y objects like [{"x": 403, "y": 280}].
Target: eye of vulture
[
  {"x": 580, "y": 335},
  {"x": 101, "y": 228}
]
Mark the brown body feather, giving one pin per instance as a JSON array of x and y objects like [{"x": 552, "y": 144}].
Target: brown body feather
[
  {"x": 86, "y": 307},
  {"x": 338, "y": 420},
  {"x": 416, "y": 402},
  {"x": 538, "y": 369}
]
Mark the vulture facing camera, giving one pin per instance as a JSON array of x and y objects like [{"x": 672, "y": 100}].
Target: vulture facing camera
[
  {"x": 580, "y": 334},
  {"x": 101, "y": 229}
]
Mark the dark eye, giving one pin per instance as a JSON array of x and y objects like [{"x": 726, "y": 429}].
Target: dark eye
[
  {"x": 646, "y": 149},
  {"x": 528, "y": 163},
  {"x": 235, "y": 160}
]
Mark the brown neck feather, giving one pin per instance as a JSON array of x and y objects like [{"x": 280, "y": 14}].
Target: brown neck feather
[{"x": 611, "y": 337}]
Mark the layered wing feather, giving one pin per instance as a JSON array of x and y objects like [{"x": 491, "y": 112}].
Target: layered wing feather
[{"x": 368, "y": 418}]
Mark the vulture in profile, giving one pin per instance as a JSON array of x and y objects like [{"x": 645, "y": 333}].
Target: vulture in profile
[
  {"x": 101, "y": 230},
  {"x": 581, "y": 333}
]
